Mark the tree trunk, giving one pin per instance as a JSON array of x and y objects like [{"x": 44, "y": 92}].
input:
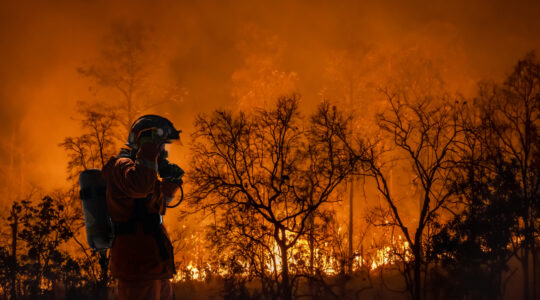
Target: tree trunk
[
  {"x": 535, "y": 276},
  {"x": 426, "y": 278},
  {"x": 417, "y": 271},
  {"x": 351, "y": 228},
  {"x": 531, "y": 257},
  {"x": 529, "y": 236},
  {"x": 286, "y": 288},
  {"x": 525, "y": 268},
  {"x": 311, "y": 245},
  {"x": 417, "y": 284},
  {"x": 14, "y": 229}
]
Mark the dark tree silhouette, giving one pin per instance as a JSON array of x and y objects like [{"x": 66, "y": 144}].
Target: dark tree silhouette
[
  {"x": 43, "y": 231},
  {"x": 512, "y": 112},
  {"x": 473, "y": 247},
  {"x": 475, "y": 243},
  {"x": 266, "y": 175},
  {"x": 9, "y": 257},
  {"x": 422, "y": 132},
  {"x": 96, "y": 145},
  {"x": 39, "y": 231}
]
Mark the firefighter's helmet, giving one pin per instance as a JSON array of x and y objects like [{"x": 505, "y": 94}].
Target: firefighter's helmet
[{"x": 162, "y": 126}]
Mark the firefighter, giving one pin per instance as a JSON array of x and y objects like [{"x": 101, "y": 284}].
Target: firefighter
[{"x": 140, "y": 183}]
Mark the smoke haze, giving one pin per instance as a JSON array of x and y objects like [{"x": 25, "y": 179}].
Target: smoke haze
[{"x": 233, "y": 54}]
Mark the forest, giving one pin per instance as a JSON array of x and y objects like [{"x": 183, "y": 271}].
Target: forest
[{"x": 396, "y": 188}]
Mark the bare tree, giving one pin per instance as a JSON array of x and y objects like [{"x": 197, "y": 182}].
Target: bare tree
[
  {"x": 123, "y": 67},
  {"x": 421, "y": 133},
  {"x": 512, "y": 112},
  {"x": 268, "y": 175},
  {"x": 93, "y": 148}
]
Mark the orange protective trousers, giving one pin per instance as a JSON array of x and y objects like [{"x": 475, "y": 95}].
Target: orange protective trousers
[{"x": 160, "y": 289}]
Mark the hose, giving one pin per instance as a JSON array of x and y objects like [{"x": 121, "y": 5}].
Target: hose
[{"x": 180, "y": 199}]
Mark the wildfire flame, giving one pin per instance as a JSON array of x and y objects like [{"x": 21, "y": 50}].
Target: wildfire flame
[{"x": 299, "y": 255}]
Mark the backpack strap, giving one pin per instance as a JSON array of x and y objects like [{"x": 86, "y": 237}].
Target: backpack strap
[{"x": 151, "y": 224}]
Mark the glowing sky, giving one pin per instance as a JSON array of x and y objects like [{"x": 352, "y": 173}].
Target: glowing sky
[{"x": 215, "y": 50}]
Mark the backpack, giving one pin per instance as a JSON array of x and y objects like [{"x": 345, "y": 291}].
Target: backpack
[{"x": 99, "y": 229}]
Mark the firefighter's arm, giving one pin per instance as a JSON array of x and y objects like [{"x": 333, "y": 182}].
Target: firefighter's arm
[{"x": 136, "y": 179}]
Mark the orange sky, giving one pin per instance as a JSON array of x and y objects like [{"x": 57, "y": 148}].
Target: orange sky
[{"x": 216, "y": 50}]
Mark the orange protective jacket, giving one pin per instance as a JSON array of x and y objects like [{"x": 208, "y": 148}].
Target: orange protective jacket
[{"x": 139, "y": 254}]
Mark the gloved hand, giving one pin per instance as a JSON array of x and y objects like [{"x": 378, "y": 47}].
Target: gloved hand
[
  {"x": 149, "y": 136},
  {"x": 170, "y": 172}
]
